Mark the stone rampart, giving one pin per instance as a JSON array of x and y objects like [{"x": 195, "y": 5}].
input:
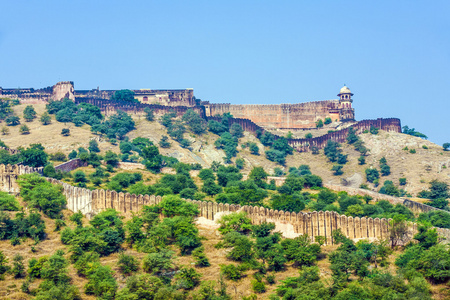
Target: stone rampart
[
  {"x": 60, "y": 90},
  {"x": 111, "y": 106},
  {"x": 289, "y": 116},
  {"x": 289, "y": 224},
  {"x": 9, "y": 174},
  {"x": 305, "y": 145},
  {"x": 70, "y": 165}
]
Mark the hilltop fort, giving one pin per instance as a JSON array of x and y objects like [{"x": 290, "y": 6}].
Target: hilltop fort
[{"x": 282, "y": 116}]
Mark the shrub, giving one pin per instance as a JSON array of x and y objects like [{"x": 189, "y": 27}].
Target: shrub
[
  {"x": 158, "y": 263},
  {"x": 93, "y": 146},
  {"x": 308, "y": 135},
  {"x": 18, "y": 269},
  {"x": 149, "y": 115},
  {"x": 164, "y": 142},
  {"x": 319, "y": 123},
  {"x": 232, "y": 272},
  {"x": 65, "y": 132},
  {"x": 187, "y": 278},
  {"x": 24, "y": 129},
  {"x": 200, "y": 257},
  {"x": 102, "y": 283},
  {"x": 8, "y": 202},
  {"x": 45, "y": 118},
  {"x": 127, "y": 264},
  {"x": 412, "y": 151},
  {"x": 235, "y": 222},
  {"x": 12, "y": 121},
  {"x": 258, "y": 286},
  {"x": 372, "y": 174},
  {"x": 41, "y": 194}
]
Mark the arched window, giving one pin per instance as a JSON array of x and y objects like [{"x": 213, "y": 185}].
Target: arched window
[{"x": 145, "y": 99}]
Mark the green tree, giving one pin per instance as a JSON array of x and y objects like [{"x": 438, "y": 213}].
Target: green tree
[
  {"x": 8, "y": 202},
  {"x": 41, "y": 194},
  {"x": 446, "y": 146},
  {"x": 164, "y": 142},
  {"x": 236, "y": 130},
  {"x": 111, "y": 158},
  {"x": 332, "y": 150},
  {"x": 34, "y": 156},
  {"x": 29, "y": 114},
  {"x": 152, "y": 158},
  {"x": 319, "y": 123},
  {"x": 93, "y": 146},
  {"x": 12, "y": 121},
  {"x": 337, "y": 170},
  {"x": 254, "y": 149},
  {"x": 45, "y": 118},
  {"x": 24, "y": 129},
  {"x": 372, "y": 174},
  {"x": 65, "y": 132},
  {"x": 196, "y": 123},
  {"x": 124, "y": 95},
  {"x": 149, "y": 115},
  {"x": 258, "y": 175}
]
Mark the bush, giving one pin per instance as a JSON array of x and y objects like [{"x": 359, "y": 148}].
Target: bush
[
  {"x": 102, "y": 283},
  {"x": 12, "y": 121},
  {"x": 24, "y": 129},
  {"x": 18, "y": 269},
  {"x": 127, "y": 264},
  {"x": 159, "y": 263},
  {"x": 8, "y": 202},
  {"x": 164, "y": 142},
  {"x": 200, "y": 257},
  {"x": 65, "y": 132},
  {"x": 45, "y": 118},
  {"x": 235, "y": 222},
  {"x": 93, "y": 146},
  {"x": 187, "y": 278},
  {"x": 258, "y": 286},
  {"x": 372, "y": 174},
  {"x": 41, "y": 194},
  {"x": 232, "y": 272}
]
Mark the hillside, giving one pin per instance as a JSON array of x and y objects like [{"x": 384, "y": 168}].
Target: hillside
[{"x": 418, "y": 168}]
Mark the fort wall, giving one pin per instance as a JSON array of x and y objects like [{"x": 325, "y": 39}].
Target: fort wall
[
  {"x": 109, "y": 107},
  {"x": 289, "y": 116},
  {"x": 305, "y": 145},
  {"x": 70, "y": 165},
  {"x": 289, "y": 224},
  {"x": 63, "y": 89}
]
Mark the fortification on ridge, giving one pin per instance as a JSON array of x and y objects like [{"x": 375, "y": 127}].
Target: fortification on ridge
[{"x": 281, "y": 116}]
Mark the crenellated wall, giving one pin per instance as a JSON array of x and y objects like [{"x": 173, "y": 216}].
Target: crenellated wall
[
  {"x": 9, "y": 174},
  {"x": 70, "y": 165},
  {"x": 289, "y": 224},
  {"x": 305, "y": 145},
  {"x": 110, "y": 107},
  {"x": 60, "y": 90},
  {"x": 299, "y": 115}
]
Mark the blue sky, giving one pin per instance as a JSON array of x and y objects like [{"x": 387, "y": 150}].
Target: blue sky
[{"x": 394, "y": 55}]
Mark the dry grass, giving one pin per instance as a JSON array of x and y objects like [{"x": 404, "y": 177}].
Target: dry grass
[{"x": 10, "y": 288}]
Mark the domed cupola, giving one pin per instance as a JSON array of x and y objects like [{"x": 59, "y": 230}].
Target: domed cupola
[{"x": 345, "y": 94}]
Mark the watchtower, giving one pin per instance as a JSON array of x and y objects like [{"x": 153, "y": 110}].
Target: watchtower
[{"x": 345, "y": 97}]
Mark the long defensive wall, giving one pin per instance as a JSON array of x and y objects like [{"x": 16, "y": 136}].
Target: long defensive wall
[{"x": 289, "y": 224}]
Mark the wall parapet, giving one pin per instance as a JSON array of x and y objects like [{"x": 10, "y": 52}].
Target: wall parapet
[
  {"x": 70, "y": 165},
  {"x": 290, "y": 224},
  {"x": 340, "y": 136}
]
